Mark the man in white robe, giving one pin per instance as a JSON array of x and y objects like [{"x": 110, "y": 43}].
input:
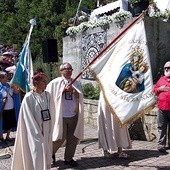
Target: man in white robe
[
  {"x": 111, "y": 136},
  {"x": 68, "y": 120}
]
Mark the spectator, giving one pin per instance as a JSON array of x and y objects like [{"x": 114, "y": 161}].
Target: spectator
[
  {"x": 8, "y": 118},
  {"x": 162, "y": 90}
]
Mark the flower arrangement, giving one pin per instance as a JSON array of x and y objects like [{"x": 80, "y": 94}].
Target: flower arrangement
[
  {"x": 121, "y": 16},
  {"x": 82, "y": 18},
  {"x": 118, "y": 18},
  {"x": 159, "y": 14},
  {"x": 71, "y": 31},
  {"x": 102, "y": 22}
]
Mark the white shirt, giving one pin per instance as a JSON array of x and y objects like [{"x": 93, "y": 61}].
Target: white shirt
[
  {"x": 68, "y": 106},
  {"x": 8, "y": 93}
]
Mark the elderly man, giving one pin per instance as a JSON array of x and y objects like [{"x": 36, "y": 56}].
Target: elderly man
[
  {"x": 162, "y": 90},
  {"x": 67, "y": 101}
]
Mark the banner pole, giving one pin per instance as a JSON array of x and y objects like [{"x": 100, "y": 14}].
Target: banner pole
[{"x": 76, "y": 17}]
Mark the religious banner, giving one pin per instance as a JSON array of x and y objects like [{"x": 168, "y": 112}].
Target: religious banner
[{"x": 124, "y": 75}]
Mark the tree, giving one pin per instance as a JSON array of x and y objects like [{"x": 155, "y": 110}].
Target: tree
[{"x": 51, "y": 16}]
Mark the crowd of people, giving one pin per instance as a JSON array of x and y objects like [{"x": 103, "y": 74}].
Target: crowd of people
[{"x": 51, "y": 116}]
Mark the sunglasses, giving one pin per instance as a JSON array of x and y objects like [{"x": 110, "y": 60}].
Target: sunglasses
[
  {"x": 68, "y": 69},
  {"x": 166, "y": 68}
]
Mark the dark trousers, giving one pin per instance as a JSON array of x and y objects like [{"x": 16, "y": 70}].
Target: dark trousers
[
  {"x": 9, "y": 119},
  {"x": 69, "y": 126},
  {"x": 163, "y": 120}
]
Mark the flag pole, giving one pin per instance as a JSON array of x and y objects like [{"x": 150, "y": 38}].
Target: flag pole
[
  {"x": 76, "y": 17},
  {"x": 32, "y": 22},
  {"x": 108, "y": 46}
]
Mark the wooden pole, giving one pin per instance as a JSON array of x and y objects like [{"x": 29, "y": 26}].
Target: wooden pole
[{"x": 76, "y": 17}]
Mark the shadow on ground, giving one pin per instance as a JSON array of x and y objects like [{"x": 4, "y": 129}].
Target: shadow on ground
[{"x": 101, "y": 162}]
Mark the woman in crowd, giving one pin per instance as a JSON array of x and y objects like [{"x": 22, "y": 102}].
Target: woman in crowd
[{"x": 8, "y": 103}]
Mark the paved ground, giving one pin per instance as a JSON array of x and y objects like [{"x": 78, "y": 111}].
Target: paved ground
[{"x": 143, "y": 156}]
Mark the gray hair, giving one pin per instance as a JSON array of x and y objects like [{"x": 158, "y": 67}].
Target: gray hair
[
  {"x": 3, "y": 73},
  {"x": 63, "y": 66}
]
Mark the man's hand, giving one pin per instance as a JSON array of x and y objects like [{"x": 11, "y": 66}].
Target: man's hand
[
  {"x": 4, "y": 99},
  {"x": 69, "y": 88},
  {"x": 163, "y": 88}
]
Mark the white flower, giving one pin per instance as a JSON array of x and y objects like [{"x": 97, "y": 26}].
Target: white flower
[
  {"x": 157, "y": 14},
  {"x": 121, "y": 16},
  {"x": 101, "y": 22},
  {"x": 92, "y": 24},
  {"x": 71, "y": 31},
  {"x": 82, "y": 18},
  {"x": 82, "y": 27}
]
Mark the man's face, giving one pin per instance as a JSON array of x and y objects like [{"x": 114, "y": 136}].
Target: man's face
[
  {"x": 167, "y": 69},
  {"x": 3, "y": 79},
  {"x": 67, "y": 71},
  {"x": 167, "y": 72}
]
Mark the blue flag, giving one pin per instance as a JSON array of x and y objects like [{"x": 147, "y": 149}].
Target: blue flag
[
  {"x": 20, "y": 77},
  {"x": 24, "y": 70}
]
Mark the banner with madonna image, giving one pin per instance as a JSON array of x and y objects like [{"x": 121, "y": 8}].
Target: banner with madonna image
[{"x": 125, "y": 77}]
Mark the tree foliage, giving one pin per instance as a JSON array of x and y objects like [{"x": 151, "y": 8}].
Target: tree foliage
[
  {"x": 90, "y": 91},
  {"x": 51, "y": 16}
]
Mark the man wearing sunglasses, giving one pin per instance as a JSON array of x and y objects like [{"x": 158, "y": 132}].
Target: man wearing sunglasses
[
  {"x": 162, "y": 90},
  {"x": 67, "y": 101}
]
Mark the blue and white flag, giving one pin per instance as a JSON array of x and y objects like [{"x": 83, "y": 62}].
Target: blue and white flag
[
  {"x": 125, "y": 77},
  {"x": 24, "y": 71}
]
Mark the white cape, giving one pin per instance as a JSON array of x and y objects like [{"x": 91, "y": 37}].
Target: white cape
[
  {"x": 111, "y": 135},
  {"x": 33, "y": 144},
  {"x": 56, "y": 87}
]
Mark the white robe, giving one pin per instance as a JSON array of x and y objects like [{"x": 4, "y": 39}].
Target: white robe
[
  {"x": 111, "y": 135},
  {"x": 56, "y": 87},
  {"x": 33, "y": 144}
]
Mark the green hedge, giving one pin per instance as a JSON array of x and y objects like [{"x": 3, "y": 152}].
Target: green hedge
[{"x": 90, "y": 91}]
